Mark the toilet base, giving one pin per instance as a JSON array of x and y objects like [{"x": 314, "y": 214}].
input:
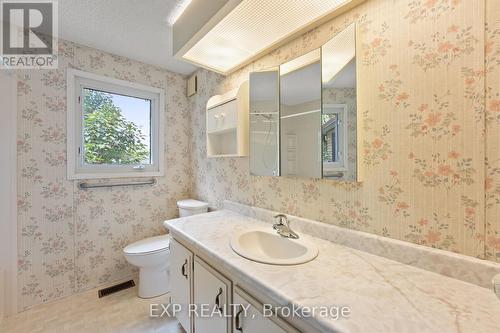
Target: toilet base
[{"x": 153, "y": 282}]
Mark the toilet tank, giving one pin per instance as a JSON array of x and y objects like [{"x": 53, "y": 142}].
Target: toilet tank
[{"x": 190, "y": 207}]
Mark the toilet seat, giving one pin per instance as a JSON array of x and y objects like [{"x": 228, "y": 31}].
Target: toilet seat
[{"x": 149, "y": 245}]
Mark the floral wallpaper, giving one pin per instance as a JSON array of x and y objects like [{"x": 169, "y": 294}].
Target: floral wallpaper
[
  {"x": 429, "y": 122},
  {"x": 492, "y": 166},
  {"x": 71, "y": 240},
  {"x": 429, "y": 153}
]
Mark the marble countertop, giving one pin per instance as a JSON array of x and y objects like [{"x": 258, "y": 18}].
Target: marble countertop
[{"x": 383, "y": 295}]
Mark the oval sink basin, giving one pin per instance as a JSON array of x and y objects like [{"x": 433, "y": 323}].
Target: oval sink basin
[{"x": 270, "y": 248}]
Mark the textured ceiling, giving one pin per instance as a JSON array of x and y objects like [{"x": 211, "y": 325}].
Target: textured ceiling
[{"x": 136, "y": 29}]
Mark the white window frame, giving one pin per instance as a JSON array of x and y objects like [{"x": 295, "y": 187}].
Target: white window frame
[
  {"x": 341, "y": 165},
  {"x": 77, "y": 80}
]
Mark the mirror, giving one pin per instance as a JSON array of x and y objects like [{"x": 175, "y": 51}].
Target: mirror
[
  {"x": 338, "y": 118},
  {"x": 303, "y": 115},
  {"x": 300, "y": 116},
  {"x": 264, "y": 123}
]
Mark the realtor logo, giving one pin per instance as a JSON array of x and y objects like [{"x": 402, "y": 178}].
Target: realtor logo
[{"x": 29, "y": 34}]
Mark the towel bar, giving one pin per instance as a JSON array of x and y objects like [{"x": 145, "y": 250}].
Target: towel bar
[{"x": 86, "y": 185}]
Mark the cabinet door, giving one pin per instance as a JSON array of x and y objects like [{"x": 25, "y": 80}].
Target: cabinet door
[
  {"x": 223, "y": 117},
  {"x": 181, "y": 281},
  {"x": 228, "y": 114},
  {"x": 211, "y": 292},
  {"x": 248, "y": 317},
  {"x": 213, "y": 118}
]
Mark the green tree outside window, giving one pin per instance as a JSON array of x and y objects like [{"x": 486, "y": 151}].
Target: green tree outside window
[{"x": 109, "y": 138}]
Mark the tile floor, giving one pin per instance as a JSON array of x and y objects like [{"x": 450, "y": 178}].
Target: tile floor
[{"x": 120, "y": 312}]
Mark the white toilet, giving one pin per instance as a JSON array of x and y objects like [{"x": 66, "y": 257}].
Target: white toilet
[
  {"x": 190, "y": 207},
  {"x": 152, "y": 255}
]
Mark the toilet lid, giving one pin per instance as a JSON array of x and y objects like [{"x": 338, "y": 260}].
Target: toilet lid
[
  {"x": 148, "y": 245},
  {"x": 191, "y": 204}
]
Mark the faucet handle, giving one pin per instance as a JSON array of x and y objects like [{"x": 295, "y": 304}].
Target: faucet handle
[
  {"x": 283, "y": 229},
  {"x": 281, "y": 217}
]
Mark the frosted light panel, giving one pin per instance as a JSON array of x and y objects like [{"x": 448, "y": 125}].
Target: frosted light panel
[{"x": 253, "y": 26}]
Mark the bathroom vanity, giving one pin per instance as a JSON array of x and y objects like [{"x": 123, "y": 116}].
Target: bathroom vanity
[
  {"x": 381, "y": 295},
  {"x": 198, "y": 282}
]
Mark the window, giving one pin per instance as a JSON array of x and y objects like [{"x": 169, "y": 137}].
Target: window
[
  {"x": 115, "y": 128},
  {"x": 334, "y": 136}
]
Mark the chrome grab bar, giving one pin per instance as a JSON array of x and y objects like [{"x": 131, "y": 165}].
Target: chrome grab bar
[{"x": 86, "y": 185}]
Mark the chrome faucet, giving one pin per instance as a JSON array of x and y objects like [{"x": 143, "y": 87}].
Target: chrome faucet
[{"x": 283, "y": 227}]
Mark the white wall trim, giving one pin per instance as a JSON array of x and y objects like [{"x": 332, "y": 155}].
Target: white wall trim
[{"x": 8, "y": 235}]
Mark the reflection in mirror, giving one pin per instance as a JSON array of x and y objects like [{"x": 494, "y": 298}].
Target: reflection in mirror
[
  {"x": 264, "y": 123},
  {"x": 338, "y": 119},
  {"x": 300, "y": 100}
]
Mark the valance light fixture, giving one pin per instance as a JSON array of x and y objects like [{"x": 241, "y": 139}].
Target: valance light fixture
[{"x": 224, "y": 35}]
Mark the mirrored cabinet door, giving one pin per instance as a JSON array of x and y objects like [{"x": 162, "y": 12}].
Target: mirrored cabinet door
[
  {"x": 300, "y": 116},
  {"x": 264, "y": 123},
  {"x": 339, "y": 111},
  {"x": 303, "y": 116}
]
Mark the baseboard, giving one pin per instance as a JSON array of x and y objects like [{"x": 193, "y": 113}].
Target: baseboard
[{"x": 134, "y": 276}]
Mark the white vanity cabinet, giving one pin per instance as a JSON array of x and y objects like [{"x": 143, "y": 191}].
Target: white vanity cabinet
[
  {"x": 249, "y": 317},
  {"x": 215, "y": 303},
  {"x": 212, "y": 290},
  {"x": 181, "y": 281}
]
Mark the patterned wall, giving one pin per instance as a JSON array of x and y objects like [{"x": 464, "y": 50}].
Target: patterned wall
[
  {"x": 492, "y": 90},
  {"x": 422, "y": 122},
  {"x": 71, "y": 240},
  {"x": 430, "y": 69}
]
